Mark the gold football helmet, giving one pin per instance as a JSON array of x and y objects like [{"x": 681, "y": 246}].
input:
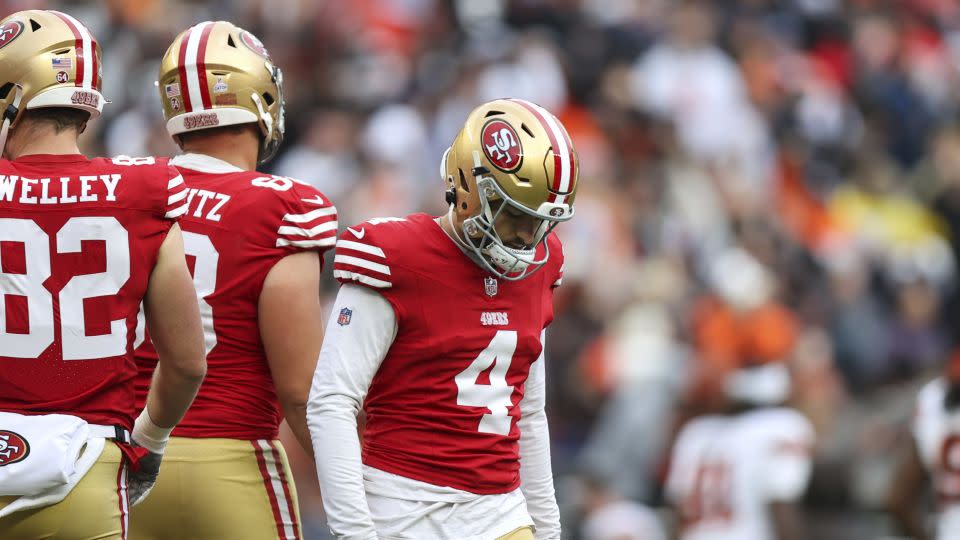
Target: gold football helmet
[
  {"x": 47, "y": 59},
  {"x": 217, "y": 74},
  {"x": 511, "y": 154}
]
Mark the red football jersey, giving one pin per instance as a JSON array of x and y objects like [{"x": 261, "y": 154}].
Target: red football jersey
[
  {"x": 78, "y": 241},
  {"x": 444, "y": 405},
  {"x": 238, "y": 225}
]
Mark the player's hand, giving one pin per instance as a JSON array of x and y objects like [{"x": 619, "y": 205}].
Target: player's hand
[{"x": 141, "y": 482}]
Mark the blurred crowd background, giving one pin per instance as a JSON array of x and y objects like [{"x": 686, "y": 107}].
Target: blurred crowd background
[{"x": 761, "y": 180}]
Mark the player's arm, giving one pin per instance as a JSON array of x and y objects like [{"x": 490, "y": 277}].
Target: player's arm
[
  {"x": 173, "y": 319},
  {"x": 536, "y": 472},
  {"x": 291, "y": 328},
  {"x": 906, "y": 490},
  {"x": 353, "y": 348}
]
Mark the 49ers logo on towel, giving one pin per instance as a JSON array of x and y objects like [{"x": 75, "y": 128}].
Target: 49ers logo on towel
[
  {"x": 9, "y": 31},
  {"x": 13, "y": 448},
  {"x": 502, "y": 145}
]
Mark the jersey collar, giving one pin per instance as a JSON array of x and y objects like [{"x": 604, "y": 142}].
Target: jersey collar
[
  {"x": 203, "y": 163},
  {"x": 51, "y": 158}
]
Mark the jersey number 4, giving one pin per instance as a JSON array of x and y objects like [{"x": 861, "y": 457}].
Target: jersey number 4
[
  {"x": 28, "y": 282},
  {"x": 496, "y": 395}
]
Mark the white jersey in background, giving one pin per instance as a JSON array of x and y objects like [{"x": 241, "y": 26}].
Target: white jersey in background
[
  {"x": 726, "y": 470},
  {"x": 937, "y": 434}
]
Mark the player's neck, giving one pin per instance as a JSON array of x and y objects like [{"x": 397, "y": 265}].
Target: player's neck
[
  {"x": 41, "y": 141},
  {"x": 235, "y": 150},
  {"x": 447, "y": 224}
]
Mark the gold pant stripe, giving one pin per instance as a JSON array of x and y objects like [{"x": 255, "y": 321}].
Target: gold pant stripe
[
  {"x": 275, "y": 482},
  {"x": 122, "y": 502},
  {"x": 213, "y": 489}
]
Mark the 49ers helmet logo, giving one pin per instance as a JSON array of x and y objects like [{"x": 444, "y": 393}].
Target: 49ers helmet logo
[
  {"x": 13, "y": 448},
  {"x": 502, "y": 145},
  {"x": 9, "y": 31},
  {"x": 254, "y": 44}
]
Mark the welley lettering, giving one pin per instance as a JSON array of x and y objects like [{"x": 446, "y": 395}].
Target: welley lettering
[{"x": 62, "y": 190}]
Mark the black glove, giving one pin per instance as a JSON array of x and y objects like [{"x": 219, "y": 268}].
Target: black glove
[{"x": 141, "y": 482}]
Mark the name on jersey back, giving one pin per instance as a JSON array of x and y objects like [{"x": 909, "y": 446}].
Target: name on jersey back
[
  {"x": 206, "y": 204},
  {"x": 61, "y": 190}
]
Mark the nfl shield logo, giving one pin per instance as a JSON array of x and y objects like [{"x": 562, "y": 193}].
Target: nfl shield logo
[
  {"x": 345, "y": 315},
  {"x": 490, "y": 286}
]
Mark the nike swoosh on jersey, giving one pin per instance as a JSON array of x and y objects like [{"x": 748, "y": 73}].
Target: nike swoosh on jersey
[
  {"x": 316, "y": 199},
  {"x": 359, "y": 234}
]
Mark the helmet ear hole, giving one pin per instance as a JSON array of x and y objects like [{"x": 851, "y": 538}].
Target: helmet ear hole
[
  {"x": 268, "y": 98},
  {"x": 463, "y": 182}
]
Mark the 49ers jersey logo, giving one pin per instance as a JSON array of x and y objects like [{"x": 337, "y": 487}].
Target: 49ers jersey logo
[
  {"x": 9, "y": 31},
  {"x": 254, "y": 44},
  {"x": 13, "y": 448},
  {"x": 502, "y": 145}
]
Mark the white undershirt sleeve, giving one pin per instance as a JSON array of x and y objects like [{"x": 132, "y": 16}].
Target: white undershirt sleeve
[
  {"x": 536, "y": 472},
  {"x": 349, "y": 359}
]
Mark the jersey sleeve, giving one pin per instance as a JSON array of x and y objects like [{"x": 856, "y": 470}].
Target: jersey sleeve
[
  {"x": 789, "y": 461},
  {"x": 308, "y": 221},
  {"x": 361, "y": 259},
  {"x": 177, "y": 202}
]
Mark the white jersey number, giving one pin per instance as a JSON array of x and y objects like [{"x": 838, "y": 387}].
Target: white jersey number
[
  {"x": 41, "y": 318},
  {"x": 710, "y": 498},
  {"x": 496, "y": 395},
  {"x": 204, "y": 280}
]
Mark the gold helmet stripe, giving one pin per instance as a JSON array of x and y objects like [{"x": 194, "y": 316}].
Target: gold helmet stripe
[
  {"x": 563, "y": 162},
  {"x": 86, "y": 52},
  {"x": 193, "y": 70}
]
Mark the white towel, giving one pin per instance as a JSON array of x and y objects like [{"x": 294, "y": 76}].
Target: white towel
[{"x": 61, "y": 451}]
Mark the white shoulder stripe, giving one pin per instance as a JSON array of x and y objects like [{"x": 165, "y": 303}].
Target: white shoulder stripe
[
  {"x": 177, "y": 212},
  {"x": 174, "y": 182},
  {"x": 311, "y": 215},
  {"x": 366, "y": 280},
  {"x": 326, "y": 242},
  {"x": 362, "y": 263},
  {"x": 298, "y": 231},
  {"x": 357, "y": 246},
  {"x": 178, "y": 196}
]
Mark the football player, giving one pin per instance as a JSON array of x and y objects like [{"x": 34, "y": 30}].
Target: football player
[
  {"x": 932, "y": 456},
  {"x": 255, "y": 243},
  {"x": 738, "y": 475},
  {"x": 438, "y": 335},
  {"x": 82, "y": 243}
]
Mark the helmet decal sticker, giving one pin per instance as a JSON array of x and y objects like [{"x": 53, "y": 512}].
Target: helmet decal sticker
[
  {"x": 501, "y": 145},
  {"x": 254, "y": 44},
  {"x": 10, "y": 31}
]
